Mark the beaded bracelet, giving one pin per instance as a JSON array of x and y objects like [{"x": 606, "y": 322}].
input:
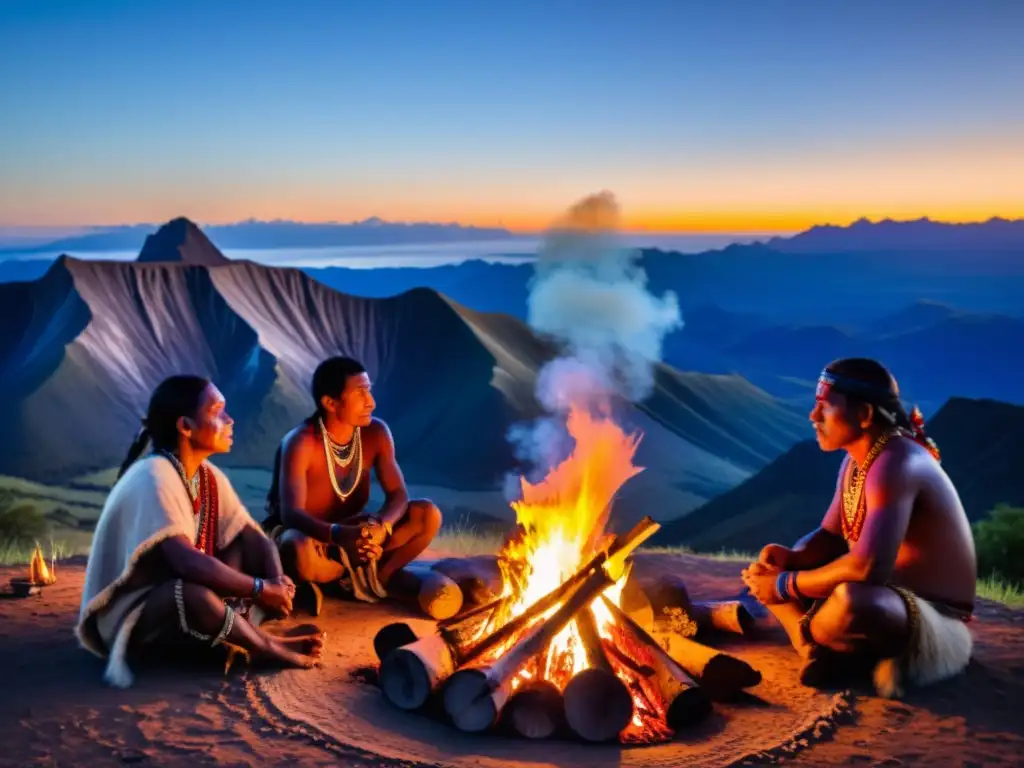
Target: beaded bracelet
[
  {"x": 785, "y": 587},
  {"x": 257, "y": 586},
  {"x": 782, "y": 587}
]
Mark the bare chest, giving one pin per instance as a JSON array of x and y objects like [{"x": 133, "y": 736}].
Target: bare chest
[{"x": 335, "y": 491}]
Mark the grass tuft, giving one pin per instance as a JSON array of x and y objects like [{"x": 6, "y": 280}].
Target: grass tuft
[
  {"x": 1008, "y": 593},
  {"x": 60, "y": 546}
]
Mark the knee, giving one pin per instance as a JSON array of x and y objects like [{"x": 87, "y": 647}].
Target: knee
[
  {"x": 854, "y": 600},
  {"x": 204, "y": 610},
  {"x": 425, "y": 514},
  {"x": 296, "y": 551}
]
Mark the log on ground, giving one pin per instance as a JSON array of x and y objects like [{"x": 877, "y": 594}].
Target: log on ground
[
  {"x": 409, "y": 674},
  {"x": 721, "y": 674}
]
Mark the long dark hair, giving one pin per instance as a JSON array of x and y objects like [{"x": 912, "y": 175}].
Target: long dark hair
[
  {"x": 881, "y": 391},
  {"x": 174, "y": 397}
]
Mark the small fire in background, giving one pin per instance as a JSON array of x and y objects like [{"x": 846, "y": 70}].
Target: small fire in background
[{"x": 39, "y": 573}]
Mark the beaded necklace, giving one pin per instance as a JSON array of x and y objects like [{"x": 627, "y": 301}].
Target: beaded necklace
[
  {"x": 854, "y": 502},
  {"x": 202, "y": 492},
  {"x": 343, "y": 456}
]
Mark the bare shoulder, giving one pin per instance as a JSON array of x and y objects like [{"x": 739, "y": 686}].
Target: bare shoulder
[
  {"x": 377, "y": 432},
  {"x": 301, "y": 439},
  {"x": 898, "y": 468}
]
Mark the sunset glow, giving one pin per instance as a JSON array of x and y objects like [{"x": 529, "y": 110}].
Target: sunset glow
[{"x": 773, "y": 120}]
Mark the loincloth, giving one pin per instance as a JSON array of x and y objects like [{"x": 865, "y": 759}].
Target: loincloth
[
  {"x": 361, "y": 581},
  {"x": 939, "y": 646}
]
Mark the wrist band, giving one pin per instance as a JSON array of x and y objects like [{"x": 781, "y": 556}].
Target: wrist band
[
  {"x": 794, "y": 590},
  {"x": 257, "y": 586},
  {"x": 781, "y": 592}
]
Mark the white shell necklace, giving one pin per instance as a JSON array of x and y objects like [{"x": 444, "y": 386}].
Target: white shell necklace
[{"x": 343, "y": 456}]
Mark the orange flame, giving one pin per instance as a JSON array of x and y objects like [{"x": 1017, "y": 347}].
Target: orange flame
[
  {"x": 562, "y": 523},
  {"x": 38, "y": 572}
]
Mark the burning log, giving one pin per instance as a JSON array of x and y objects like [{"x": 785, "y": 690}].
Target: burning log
[
  {"x": 612, "y": 561},
  {"x": 636, "y": 604},
  {"x": 722, "y": 675},
  {"x": 687, "y": 702},
  {"x": 536, "y": 710},
  {"x": 723, "y": 615},
  {"x": 598, "y": 704},
  {"x": 409, "y": 674},
  {"x": 474, "y": 697}
]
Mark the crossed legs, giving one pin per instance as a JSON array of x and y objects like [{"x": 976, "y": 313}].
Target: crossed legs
[
  {"x": 206, "y": 613},
  {"x": 863, "y": 620},
  {"x": 307, "y": 560}
]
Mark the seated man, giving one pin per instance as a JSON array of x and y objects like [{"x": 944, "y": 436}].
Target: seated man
[
  {"x": 321, "y": 487},
  {"x": 176, "y": 557},
  {"x": 889, "y": 576}
]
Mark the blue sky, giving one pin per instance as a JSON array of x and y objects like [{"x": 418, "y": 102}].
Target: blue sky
[{"x": 717, "y": 116}]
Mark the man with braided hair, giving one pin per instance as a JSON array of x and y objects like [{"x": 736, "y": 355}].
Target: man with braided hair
[{"x": 888, "y": 578}]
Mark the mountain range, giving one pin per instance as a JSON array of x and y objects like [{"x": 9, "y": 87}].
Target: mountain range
[
  {"x": 942, "y": 304},
  {"x": 982, "y": 447},
  {"x": 253, "y": 234},
  {"x": 82, "y": 347}
]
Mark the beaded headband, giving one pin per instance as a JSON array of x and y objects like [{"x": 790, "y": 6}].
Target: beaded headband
[{"x": 828, "y": 381}]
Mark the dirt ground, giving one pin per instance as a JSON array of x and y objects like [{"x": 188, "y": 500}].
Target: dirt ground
[{"x": 56, "y": 710}]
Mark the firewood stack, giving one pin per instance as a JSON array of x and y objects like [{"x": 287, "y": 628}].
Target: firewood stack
[{"x": 640, "y": 683}]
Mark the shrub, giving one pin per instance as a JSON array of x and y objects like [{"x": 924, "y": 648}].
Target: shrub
[
  {"x": 21, "y": 523},
  {"x": 999, "y": 542}
]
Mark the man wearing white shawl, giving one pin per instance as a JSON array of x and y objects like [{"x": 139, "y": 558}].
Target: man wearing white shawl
[{"x": 176, "y": 555}]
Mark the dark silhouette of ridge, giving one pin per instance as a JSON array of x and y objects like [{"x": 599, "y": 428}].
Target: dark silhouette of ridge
[
  {"x": 982, "y": 445},
  {"x": 181, "y": 241},
  {"x": 917, "y": 235},
  {"x": 279, "y": 234}
]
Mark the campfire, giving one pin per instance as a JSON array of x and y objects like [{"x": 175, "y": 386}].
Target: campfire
[
  {"x": 39, "y": 575},
  {"x": 562, "y": 650}
]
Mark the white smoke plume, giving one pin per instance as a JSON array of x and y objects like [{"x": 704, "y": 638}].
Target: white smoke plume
[{"x": 590, "y": 296}]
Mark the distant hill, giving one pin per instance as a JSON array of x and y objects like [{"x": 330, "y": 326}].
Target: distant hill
[
  {"x": 82, "y": 348},
  {"x": 918, "y": 235},
  {"x": 982, "y": 444},
  {"x": 254, "y": 234},
  {"x": 935, "y": 350}
]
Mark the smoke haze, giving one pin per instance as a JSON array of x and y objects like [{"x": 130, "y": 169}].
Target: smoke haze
[{"x": 590, "y": 296}]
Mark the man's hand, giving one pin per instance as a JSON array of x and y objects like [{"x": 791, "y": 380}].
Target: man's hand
[
  {"x": 359, "y": 541},
  {"x": 375, "y": 532},
  {"x": 283, "y": 580},
  {"x": 760, "y": 579},
  {"x": 277, "y": 596},
  {"x": 776, "y": 556}
]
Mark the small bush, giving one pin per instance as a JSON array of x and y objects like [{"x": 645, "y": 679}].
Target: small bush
[
  {"x": 21, "y": 523},
  {"x": 999, "y": 543}
]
